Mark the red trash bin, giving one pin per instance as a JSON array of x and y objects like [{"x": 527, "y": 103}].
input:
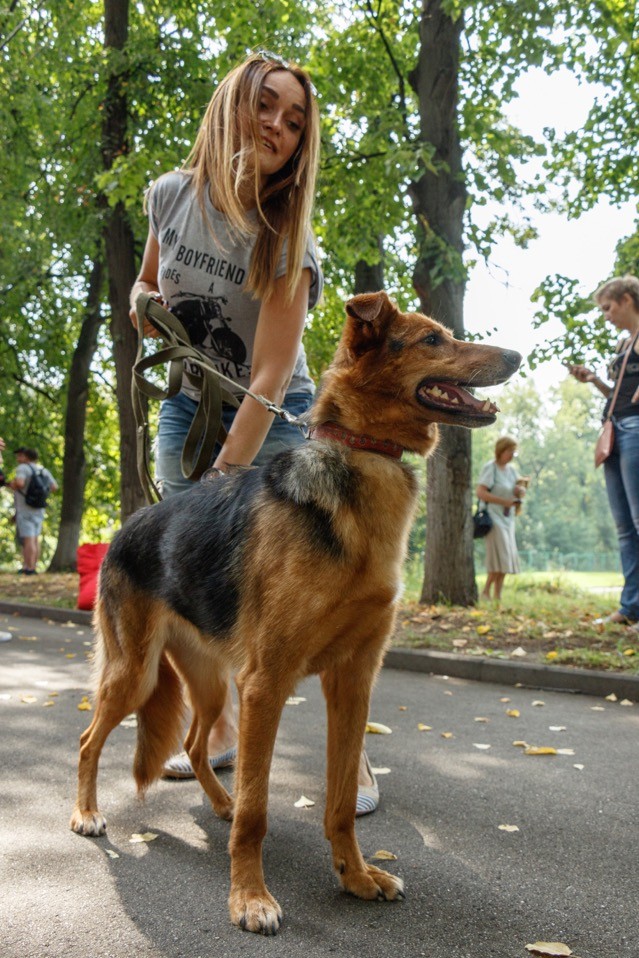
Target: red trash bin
[{"x": 89, "y": 560}]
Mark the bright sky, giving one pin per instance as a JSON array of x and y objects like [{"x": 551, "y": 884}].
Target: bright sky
[{"x": 498, "y": 295}]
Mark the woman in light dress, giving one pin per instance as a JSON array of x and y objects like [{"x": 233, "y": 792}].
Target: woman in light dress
[{"x": 498, "y": 487}]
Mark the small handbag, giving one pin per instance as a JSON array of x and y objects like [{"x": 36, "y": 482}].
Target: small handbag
[
  {"x": 482, "y": 519},
  {"x": 606, "y": 439},
  {"x": 482, "y": 522}
]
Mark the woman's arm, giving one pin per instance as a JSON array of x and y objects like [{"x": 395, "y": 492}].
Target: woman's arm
[
  {"x": 279, "y": 332},
  {"x": 147, "y": 281},
  {"x": 483, "y": 493},
  {"x": 584, "y": 375}
]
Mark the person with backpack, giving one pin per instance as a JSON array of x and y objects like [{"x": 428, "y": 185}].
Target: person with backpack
[{"x": 32, "y": 485}]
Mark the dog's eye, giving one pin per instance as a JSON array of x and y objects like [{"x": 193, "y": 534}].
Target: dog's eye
[{"x": 431, "y": 340}]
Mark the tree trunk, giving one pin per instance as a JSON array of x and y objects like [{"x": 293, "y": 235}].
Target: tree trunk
[
  {"x": 369, "y": 278},
  {"x": 74, "y": 466},
  {"x": 120, "y": 257},
  {"x": 439, "y": 200}
]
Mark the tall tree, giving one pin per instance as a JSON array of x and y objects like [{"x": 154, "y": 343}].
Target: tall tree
[
  {"x": 439, "y": 202},
  {"x": 120, "y": 248},
  {"x": 74, "y": 466}
]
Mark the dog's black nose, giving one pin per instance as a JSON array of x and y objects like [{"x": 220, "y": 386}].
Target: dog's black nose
[{"x": 512, "y": 358}]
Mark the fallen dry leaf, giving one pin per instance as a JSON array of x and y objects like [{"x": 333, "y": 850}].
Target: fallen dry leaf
[
  {"x": 46, "y": 705},
  {"x": 304, "y": 802},
  {"x": 611, "y": 698},
  {"x": 565, "y": 751},
  {"x": 381, "y": 771},
  {"x": 539, "y": 750},
  {"x": 629, "y": 652},
  {"x": 403, "y": 708},
  {"x": 520, "y": 744},
  {"x": 447, "y": 735},
  {"x": 295, "y": 699},
  {"x": 111, "y": 853},
  {"x": 138, "y": 838},
  {"x": 519, "y": 652},
  {"x": 579, "y": 768},
  {"x": 505, "y": 699},
  {"x": 557, "y": 728},
  {"x": 549, "y": 949},
  {"x": 28, "y": 638},
  {"x": 597, "y": 708},
  {"x": 70, "y": 655},
  {"x": 552, "y": 655},
  {"x": 480, "y": 746},
  {"x": 28, "y": 699},
  {"x": 538, "y": 702},
  {"x": 459, "y": 643},
  {"x": 376, "y": 728},
  {"x": 508, "y": 828},
  {"x": 483, "y": 629},
  {"x": 626, "y": 702},
  {"x": 513, "y": 713},
  {"x": 84, "y": 705},
  {"x": 384, "y": 856},
  {"x": 424, "y": 728},
  {"x": 480, "y": 718}
]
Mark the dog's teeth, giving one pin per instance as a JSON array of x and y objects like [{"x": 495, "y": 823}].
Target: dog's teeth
[
  {"x": 445, "y": 396},
  {"x": 435, "y": 391},
  {"x": 486, "y": 406},
  {"x": 455, "y": 399}
]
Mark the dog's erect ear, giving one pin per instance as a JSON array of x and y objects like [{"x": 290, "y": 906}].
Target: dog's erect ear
[{"x": 370, "y": 316}]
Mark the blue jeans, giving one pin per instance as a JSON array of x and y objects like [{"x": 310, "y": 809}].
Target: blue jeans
[
  {"x": 622, "y": 482},
  {"x": 176, "y": 416}
]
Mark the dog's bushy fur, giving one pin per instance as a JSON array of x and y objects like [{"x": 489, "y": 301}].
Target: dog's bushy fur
[{"x": 275, "y": 574}]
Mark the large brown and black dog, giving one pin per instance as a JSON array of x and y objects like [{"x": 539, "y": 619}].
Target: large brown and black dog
[{"x": 278, "y": 573}]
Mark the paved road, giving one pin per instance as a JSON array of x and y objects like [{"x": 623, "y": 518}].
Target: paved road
[{"x": 473, "y": 891}]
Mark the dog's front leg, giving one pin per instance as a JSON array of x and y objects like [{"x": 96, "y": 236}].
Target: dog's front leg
[
  {"x": 347, "y": 690},
  {"x": 252, "y": 906}
]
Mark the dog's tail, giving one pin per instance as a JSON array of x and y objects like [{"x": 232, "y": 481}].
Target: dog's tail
[{"x": 160, "y": 725}]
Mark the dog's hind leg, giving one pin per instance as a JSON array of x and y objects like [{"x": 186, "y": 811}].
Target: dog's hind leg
[
  {"x": 116, "y": 697},
  {"x": 207, "y": 684},
  {"x": 262, "y": 697},
  {"x": 129, "y": 653},
  {"x": 347, "y": 691}
]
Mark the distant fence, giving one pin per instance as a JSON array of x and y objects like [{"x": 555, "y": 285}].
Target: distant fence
[{"x": 536, "y": 560}]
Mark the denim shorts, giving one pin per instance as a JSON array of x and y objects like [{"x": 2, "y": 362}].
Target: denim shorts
[
  {"x": 176, "y": 416},
  {"x": 29, "y": 523}
]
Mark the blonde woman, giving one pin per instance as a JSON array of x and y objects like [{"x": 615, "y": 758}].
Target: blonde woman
[
  {"x": 618, "y": 300},
  {"x": 230, "y": 251},
  {"x": 497, "y": 487}
]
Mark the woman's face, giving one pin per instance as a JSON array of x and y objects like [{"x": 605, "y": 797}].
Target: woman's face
[
  {"x": 620, "y": 312},
  {"x": 281, "y": 118},
  {"x": 506, "y": 456}
]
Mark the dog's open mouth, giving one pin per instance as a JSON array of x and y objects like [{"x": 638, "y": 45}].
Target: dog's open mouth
[{"x": 455, "y": 400}]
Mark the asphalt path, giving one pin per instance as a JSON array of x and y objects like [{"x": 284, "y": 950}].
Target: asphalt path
[{"x": 474, "y": 890}]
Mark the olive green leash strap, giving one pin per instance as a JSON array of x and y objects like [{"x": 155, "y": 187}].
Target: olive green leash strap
[{"x": 206, "y": 428}]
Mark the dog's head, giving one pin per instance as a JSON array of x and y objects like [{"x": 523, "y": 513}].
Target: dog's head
[{"x": 396, "y": 374}]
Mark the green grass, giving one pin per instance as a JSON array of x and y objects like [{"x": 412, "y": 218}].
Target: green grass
[{"x": 564, "y": 582}]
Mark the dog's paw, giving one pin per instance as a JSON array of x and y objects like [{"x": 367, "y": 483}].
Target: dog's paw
[
  {"x": 259, "y": 913},
  {"x": 224, "y": 809},
  {"x": 87, "y": 822},
  {"x": 373, "y": 884}
]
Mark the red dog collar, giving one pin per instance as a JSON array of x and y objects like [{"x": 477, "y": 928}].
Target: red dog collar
[{"x": 329, "y": 430}]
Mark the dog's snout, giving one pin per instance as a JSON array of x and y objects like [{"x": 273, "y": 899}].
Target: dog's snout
[{"x": 512, "y": 358}]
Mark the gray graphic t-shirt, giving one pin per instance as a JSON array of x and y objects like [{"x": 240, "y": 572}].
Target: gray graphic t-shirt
[{"x": 202, "y": 275}]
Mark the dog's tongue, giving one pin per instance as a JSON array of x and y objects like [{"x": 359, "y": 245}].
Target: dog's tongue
[{"x": 449, "y": 396}]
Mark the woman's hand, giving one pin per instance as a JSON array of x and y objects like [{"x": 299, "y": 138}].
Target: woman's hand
[
  {"x": 519, "y": 492},
  {"x": 582, "y": 374}
]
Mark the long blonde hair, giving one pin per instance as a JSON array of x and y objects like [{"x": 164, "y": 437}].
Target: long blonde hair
[{"x": 222, "y": 161}]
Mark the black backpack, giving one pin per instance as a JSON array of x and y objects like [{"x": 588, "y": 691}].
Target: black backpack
[{"x": 38, "y": 490}]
